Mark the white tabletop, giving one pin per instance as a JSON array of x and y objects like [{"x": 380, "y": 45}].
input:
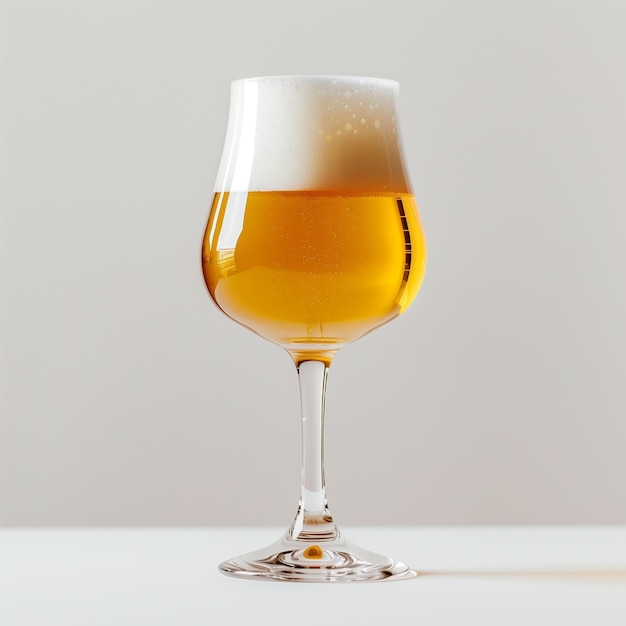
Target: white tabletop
[{"x": 504, "y": 576}]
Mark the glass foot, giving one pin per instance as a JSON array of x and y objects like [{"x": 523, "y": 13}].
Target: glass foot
[{"x": 337, "y": 560}]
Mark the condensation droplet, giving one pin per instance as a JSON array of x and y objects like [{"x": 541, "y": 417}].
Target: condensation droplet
[
  {"x": 376, "y": 124},
  {"x": 348, "y": 127}
]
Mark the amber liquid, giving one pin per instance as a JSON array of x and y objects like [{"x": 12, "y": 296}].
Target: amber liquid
[{"x": 310, "y": 270}]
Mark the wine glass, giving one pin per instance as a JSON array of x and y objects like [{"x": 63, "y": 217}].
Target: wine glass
[{"x": 313, "y": 240}]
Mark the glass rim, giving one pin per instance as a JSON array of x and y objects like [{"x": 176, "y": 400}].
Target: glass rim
[{"x": 312, "y": 78}]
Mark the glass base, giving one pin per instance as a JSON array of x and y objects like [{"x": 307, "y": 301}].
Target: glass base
[{"x": 337, "y": 560}]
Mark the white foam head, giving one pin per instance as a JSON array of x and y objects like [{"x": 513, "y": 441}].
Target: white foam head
[{"x": 312, "y": 133}]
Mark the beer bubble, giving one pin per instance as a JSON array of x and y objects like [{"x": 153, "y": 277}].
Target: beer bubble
[{"x": 302, "y": 133}]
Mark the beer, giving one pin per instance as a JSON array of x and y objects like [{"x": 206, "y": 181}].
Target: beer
[
  {"x": 313, "y": 240},
  {"x": 313, "y": 269}
]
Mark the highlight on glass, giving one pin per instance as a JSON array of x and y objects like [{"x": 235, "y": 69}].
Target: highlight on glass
[{"x": 313, "y": 240}]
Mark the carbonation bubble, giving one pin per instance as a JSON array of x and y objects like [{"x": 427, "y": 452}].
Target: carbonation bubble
[{"x": 309, "y": 137}]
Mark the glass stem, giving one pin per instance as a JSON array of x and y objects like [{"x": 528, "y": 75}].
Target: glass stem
[{"x": 313, "y": 521}]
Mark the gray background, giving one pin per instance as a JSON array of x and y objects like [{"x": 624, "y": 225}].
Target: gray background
[{"x": 127, "y": 398}]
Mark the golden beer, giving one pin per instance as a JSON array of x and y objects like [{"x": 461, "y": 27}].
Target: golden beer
[
  {"x": 313, "y": 269},
  {"x": 313, "y": 240}
]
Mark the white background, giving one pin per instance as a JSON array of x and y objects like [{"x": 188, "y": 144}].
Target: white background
[{"x": 128, "y": 398}]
